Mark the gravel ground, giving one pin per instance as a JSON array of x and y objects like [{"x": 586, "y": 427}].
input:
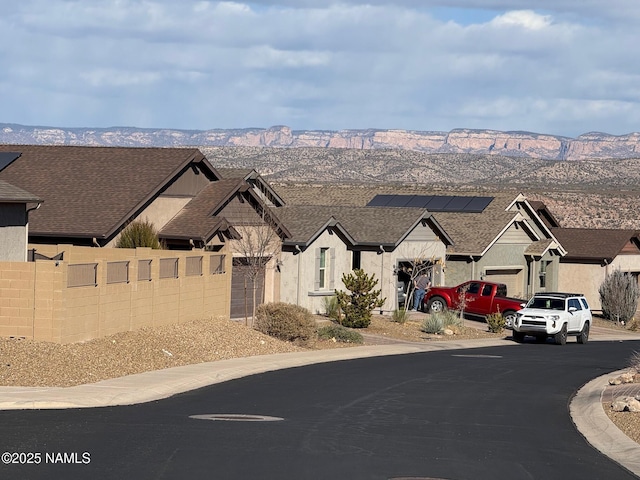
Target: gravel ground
[{"x": 29, "y": 363}]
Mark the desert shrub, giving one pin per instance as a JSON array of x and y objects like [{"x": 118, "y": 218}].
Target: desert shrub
[
  {"x": 340, "y": 333},
  {"x": 619, "y": 296},
  {"x": 361, "y": 301},
  {"x": 433, "y": 324},
  {"x": 331, "y": 307},
  {"x": 634, "y": 361},
  {"x": 450, "y": 318},
  {"x": 139, "y": 234},
  {"x": 400, "y": 316},
  {"x": 496, "y": 322},
  {"x": 287, "y": 322}
]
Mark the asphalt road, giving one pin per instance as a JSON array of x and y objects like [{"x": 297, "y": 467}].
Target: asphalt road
[{"x": 491, "y": 413}]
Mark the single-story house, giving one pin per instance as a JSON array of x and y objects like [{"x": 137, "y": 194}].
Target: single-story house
[
  {"x": 327, "y": 242},
  {"x": 592, "y": 254}
]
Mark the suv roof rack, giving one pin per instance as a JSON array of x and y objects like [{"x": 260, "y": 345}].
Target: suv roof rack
[{"x": 559, "y": 294}]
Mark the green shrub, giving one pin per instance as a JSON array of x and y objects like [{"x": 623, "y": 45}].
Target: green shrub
[
  {"x": 400, "y": 316},
  {"x": 496, "y": 322},
  {"x": 139, "y": 234},
  {"x": 619, "y": 296},
  {"x": 331, "y": 307},
  {"x": 287, "y": 322},
  {"x": 433, "y": 324},
  {"x": 340, "y": 333},
  {"x": 363, "y": 299},
  {"x": 450, "y": 318}
]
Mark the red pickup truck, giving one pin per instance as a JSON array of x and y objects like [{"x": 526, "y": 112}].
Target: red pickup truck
[{"x": 481, "y": 298}]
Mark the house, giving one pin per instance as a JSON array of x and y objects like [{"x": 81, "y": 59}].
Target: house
[
  {"x": 15, "y": 206},
  {"x": 327, "y": 242},
  {"x": 494, "y": 236},
  {"x": 592, "y": 254},
  {"x": 91, "y": 194}
]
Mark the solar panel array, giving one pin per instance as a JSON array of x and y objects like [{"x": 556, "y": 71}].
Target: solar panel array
[
  {"x": 433, "y": 203},
  {"x": 6, "y": 158}
]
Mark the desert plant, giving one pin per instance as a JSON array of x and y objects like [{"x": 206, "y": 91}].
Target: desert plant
[
  {"x": 433, "y": 324},
  {"x": 496, "y": 322},
  {"x": 619, "y": 296},
  {"x": 400, "y": 316},
  {"x": 450, "y": 318},
  {"x": 287, "y": 322},
  {"x": 634, "y": 361},
  {"x": 331, "y": 307},
  {"x": 139, "y": 233},
  {"x": 363, "y": 299},
  {"x": 339, "y": 333}
]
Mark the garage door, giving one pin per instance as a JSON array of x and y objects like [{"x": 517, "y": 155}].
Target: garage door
[
  {"x": 512, "y": 278},
  {"x": 241, "y": 294}
]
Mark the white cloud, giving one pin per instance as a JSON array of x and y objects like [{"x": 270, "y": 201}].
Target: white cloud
[{"x": 549, "y": 66}]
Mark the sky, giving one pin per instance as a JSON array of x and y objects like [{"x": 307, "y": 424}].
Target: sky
[{"x": 559, "y": 67}]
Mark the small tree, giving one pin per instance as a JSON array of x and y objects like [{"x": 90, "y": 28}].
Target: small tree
[
  {"x": 139, "y": 233},
  {"x": 619, "y": 296},
  {"x": 363, "y": 299}
]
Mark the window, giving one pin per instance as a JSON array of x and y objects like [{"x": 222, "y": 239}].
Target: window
[
  {"x": 486, "y": 290},
  {"x": 543, "y": 273},
  {"x": 474, "y": 288},
  {"x": 323, "y": 266},
  {"x": 356, "y": 260},
  {"x": 216, "y": 264},
  {"x": 574, "y": 302}
]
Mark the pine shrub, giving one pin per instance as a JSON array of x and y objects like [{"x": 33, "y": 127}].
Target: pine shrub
[
  {"x": 619, "y": 296},
  {"x": 496, "y": 322},
  {"x": 361, "y": 301},
  {"x": 287, "y": 322}
]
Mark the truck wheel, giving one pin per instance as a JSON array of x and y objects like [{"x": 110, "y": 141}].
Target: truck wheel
[
  {"x": 436, "y": 305},
  {"x": 518, "y": 336},
  {"x": 509, "y": 318},
  {"x": 561, "y": 336},
  {"x": 584, "y": 334}
]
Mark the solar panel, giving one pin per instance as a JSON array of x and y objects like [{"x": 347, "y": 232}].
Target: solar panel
[
  {"x": 7, "y": 158},
  {"x": 457, "y": 204},
  {"x": 438, "y": 202},
  {"x": 380, "y": 201},
  {"x": 478, "y": 204},
  {"x": 433, "y": 203}
]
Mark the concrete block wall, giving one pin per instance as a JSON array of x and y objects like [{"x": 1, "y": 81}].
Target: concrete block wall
[{"x": 36, "y": 302}]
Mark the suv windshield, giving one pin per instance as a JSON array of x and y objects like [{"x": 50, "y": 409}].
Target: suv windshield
[{"x": 546, "y": 303}]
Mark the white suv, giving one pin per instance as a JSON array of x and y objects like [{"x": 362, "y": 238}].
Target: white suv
[{"x": 554, "y": 315}]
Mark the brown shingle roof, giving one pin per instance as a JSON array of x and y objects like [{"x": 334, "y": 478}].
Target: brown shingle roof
[
  {"x": 92, "y": 191},
  {"x": 363, "y": 225},
  {"x": 594, "y": 244},
  {"x": 197, "y": 219},
  {"x": 471, "y": 233},
  {"x": 12, "y": 194}
]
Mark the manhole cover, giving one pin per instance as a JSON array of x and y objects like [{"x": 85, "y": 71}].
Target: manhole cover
[{"x": 236, "y": 417}]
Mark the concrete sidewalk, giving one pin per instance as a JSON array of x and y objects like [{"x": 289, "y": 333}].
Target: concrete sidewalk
[{"x": 586, "y": 409}]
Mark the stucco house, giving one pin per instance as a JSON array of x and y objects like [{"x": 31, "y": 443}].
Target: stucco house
[
  {"x": 592, "y": 254},
  {"x": 329, "y": 241},
  {"x": 493, "y": 236},
  {"x": 15, "y": 206}
]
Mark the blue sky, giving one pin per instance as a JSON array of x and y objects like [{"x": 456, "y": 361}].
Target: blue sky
[{"x": 561, "y": 67}]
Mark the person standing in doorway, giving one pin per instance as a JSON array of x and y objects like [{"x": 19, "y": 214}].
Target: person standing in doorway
[{"x": 421, "y": 283}]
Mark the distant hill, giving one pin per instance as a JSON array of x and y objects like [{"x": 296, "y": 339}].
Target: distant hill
[{"x": 459, "y": 141}]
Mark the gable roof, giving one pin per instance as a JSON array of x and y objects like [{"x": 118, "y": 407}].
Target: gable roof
[
  {"x": 361, "y": 226},
  {"x": 12, "y": 194},
  {"x": 471, "y": 233},
  {"x": 254, "y": 179},
  {"x": 544, "y": 213},
  {"x": 93, "y": 191},
  {"x": 595, "y": 244}
]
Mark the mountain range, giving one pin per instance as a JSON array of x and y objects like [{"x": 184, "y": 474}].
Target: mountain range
[{"x": 592, "y": 145}]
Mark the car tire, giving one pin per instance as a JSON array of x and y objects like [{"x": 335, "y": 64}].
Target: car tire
[
  {"x": 518, "y": 336},
  {"x": 561, "y": 336},
  {"x": 583, "y": 337},
  {"x": 509, "y": 318},
  {"x": 436, "y": 305}
]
